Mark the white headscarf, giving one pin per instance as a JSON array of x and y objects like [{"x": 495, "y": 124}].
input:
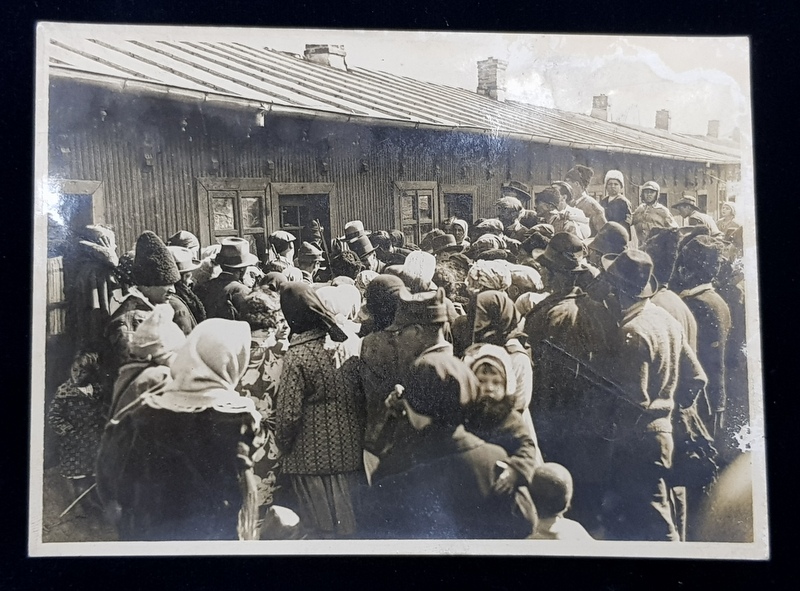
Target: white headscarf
[
  {"x": 207, "y": 368},
  {"x": 617, "y": 176}
]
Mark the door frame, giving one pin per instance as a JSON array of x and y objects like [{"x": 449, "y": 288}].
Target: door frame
[
  {"x": 277, "y": 189},
  {"x": 206, "y": 184},
  {"x": 471, "y": 190}
]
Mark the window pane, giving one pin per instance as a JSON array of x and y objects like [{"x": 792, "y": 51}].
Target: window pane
[
  {"x": 408, "y": 206},
  {"x": 251, "y": 212},
  {"x": 290, "y": 215},
  {"x": 410, "y": 233},
  {"x": 223, "y": 214},
  {"x": 424, "y": 206}
]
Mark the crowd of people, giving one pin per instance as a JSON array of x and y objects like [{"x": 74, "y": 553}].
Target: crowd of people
[{"x": 572, "y": 372}]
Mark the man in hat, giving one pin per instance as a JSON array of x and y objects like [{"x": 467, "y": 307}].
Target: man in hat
[
  {"x": 365, "y": 251},
  {"x": 692, "y": 216},
  {"x": 653, "y": 370},
  {"x": 187, "y": 240},
  {"x": 616, "y": 205},
  {"x": 445, "y": 246},
  {"x": 552, "y": 209},
  {"x": 696, "y": 267},
  {"x": 154, "y": 273},
  {"x": 579, "y": 178},
  {"x": 309, "y": 258},
  {"x": 418, "y": 329},
  {"x": 568, "y": 334},
  {"x": 650, "y": 213},
  {"x": 282, "y": 244},
  {"x": 189, "y": 310},
  {"x": 611, "y": 239},
  {"x": 224, "y": 296},
  {"x": 509, "y": 212},
  {"x": 443, "y": 486}
]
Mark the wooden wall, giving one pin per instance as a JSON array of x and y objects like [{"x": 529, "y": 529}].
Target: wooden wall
[{"x": 149, "y": 153}]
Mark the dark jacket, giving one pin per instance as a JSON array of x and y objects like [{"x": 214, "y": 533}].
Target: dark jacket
[
  {"x": 514, "y": 437},
  {"x": 445, "y": 493},
  {"x": 713, "y": 326},
  {"x": 177, "y": 475},
  {"x": 677, "y": 308},
  {"x": 223, "y": 296}
]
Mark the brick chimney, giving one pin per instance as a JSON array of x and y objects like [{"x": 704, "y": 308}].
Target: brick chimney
[
  {"x": 713, "y": 128},
  {"x": 327, "y": 55},
  {"x": 492, "y": 78},
  {"x": 662, "y": 119},
  {"x": 600, "y": 107}
]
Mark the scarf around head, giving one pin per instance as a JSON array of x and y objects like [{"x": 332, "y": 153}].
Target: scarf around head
[
  {"x": 493, "y": 355},
  {"x": 305, "y": 311},
  {"x": 207, "y": 368},
  {"x": 485, "y": 275},
  {"x": 341, "y": 299},
  {"x": 496, "y": 318},
  {"x": 382, "y": 298}
]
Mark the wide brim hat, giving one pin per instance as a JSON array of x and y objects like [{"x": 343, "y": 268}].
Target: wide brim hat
[
  {"x": 612, "y": 238},
  {"x": 419, "y": 308},
  {"x": 184, "y": 258},
  {"x": 309, "y": 252},
  {"x": 565, "y": 253},
  {"x": 687, "y": 200},
  {"x": 517, "y": 189},
  {"x": 631, "y": 272},
  {"x": 446, "y": 243},
  {"x": 235, "y": 253},
  {"x": 354, "y": 230},
  {"x": 362, "y": 246}
]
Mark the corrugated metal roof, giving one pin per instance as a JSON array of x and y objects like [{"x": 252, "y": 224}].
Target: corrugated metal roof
[{"x": 259, "y": 77}]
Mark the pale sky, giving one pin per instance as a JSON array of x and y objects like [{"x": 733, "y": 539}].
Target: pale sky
[{"x": 696, "y": 79}]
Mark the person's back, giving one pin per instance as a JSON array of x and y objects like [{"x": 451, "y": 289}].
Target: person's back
[
  {"x": 445, "y": 494},
  {"x": 170, "y": 478},
  {"x": 222, "y": 296}
]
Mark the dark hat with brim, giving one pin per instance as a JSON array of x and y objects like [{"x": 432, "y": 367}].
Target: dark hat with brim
[
  {"x": 565, "y": 253},
  {"x": 631, "y": 272},
  {"x": 362, "y": 246},
  {"x": 611, "y": 239},
  {"x": 309, "y": 252},
  {"x": 235, "y": 253},
  {"x": 420, "y": 308},
  {"x": 687, "y": 200},
  {"x": 445, "y": 243}
]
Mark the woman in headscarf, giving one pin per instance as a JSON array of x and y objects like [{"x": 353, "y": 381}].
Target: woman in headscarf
[
  {"x": 319, "y": 421},
  {"x": 179, "y": 465},
  {"x": 269, "y": 341},
  {"x": 460, "y": 231},
  {"x": 492, "y": 415},
  {"x": 345, "y": 303},
  {"x": 273, "y": 281}
]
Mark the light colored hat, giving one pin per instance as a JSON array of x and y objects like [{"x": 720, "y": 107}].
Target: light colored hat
[
  {"x": 184, "y": 258},
  {"x": 235, "y": 253}
]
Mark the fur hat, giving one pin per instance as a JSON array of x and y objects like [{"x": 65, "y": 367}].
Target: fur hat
[
  {"x": 153, "y": 263},
  {"x": 580, "y": 173}
]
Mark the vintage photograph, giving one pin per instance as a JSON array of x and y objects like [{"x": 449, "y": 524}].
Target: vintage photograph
[{"x": 306, "y": 291}]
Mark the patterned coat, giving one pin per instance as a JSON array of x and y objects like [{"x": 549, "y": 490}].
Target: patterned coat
[
  {"x": 320, "y": 411},
  {"x": 77, "y": 415},
  {"x": 260, "y": 383}
]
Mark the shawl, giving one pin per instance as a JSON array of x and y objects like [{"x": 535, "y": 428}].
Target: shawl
[
  {"x": 274, "y": 281},
  {"x": 206, "y": 370},
  {"x": 484, "y": 275},
  {"x": 341, "y": 299},
  {"x": 305, "y": 311}
]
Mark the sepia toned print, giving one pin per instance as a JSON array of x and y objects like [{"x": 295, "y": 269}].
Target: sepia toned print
[{"x": 338, "y": 292}]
